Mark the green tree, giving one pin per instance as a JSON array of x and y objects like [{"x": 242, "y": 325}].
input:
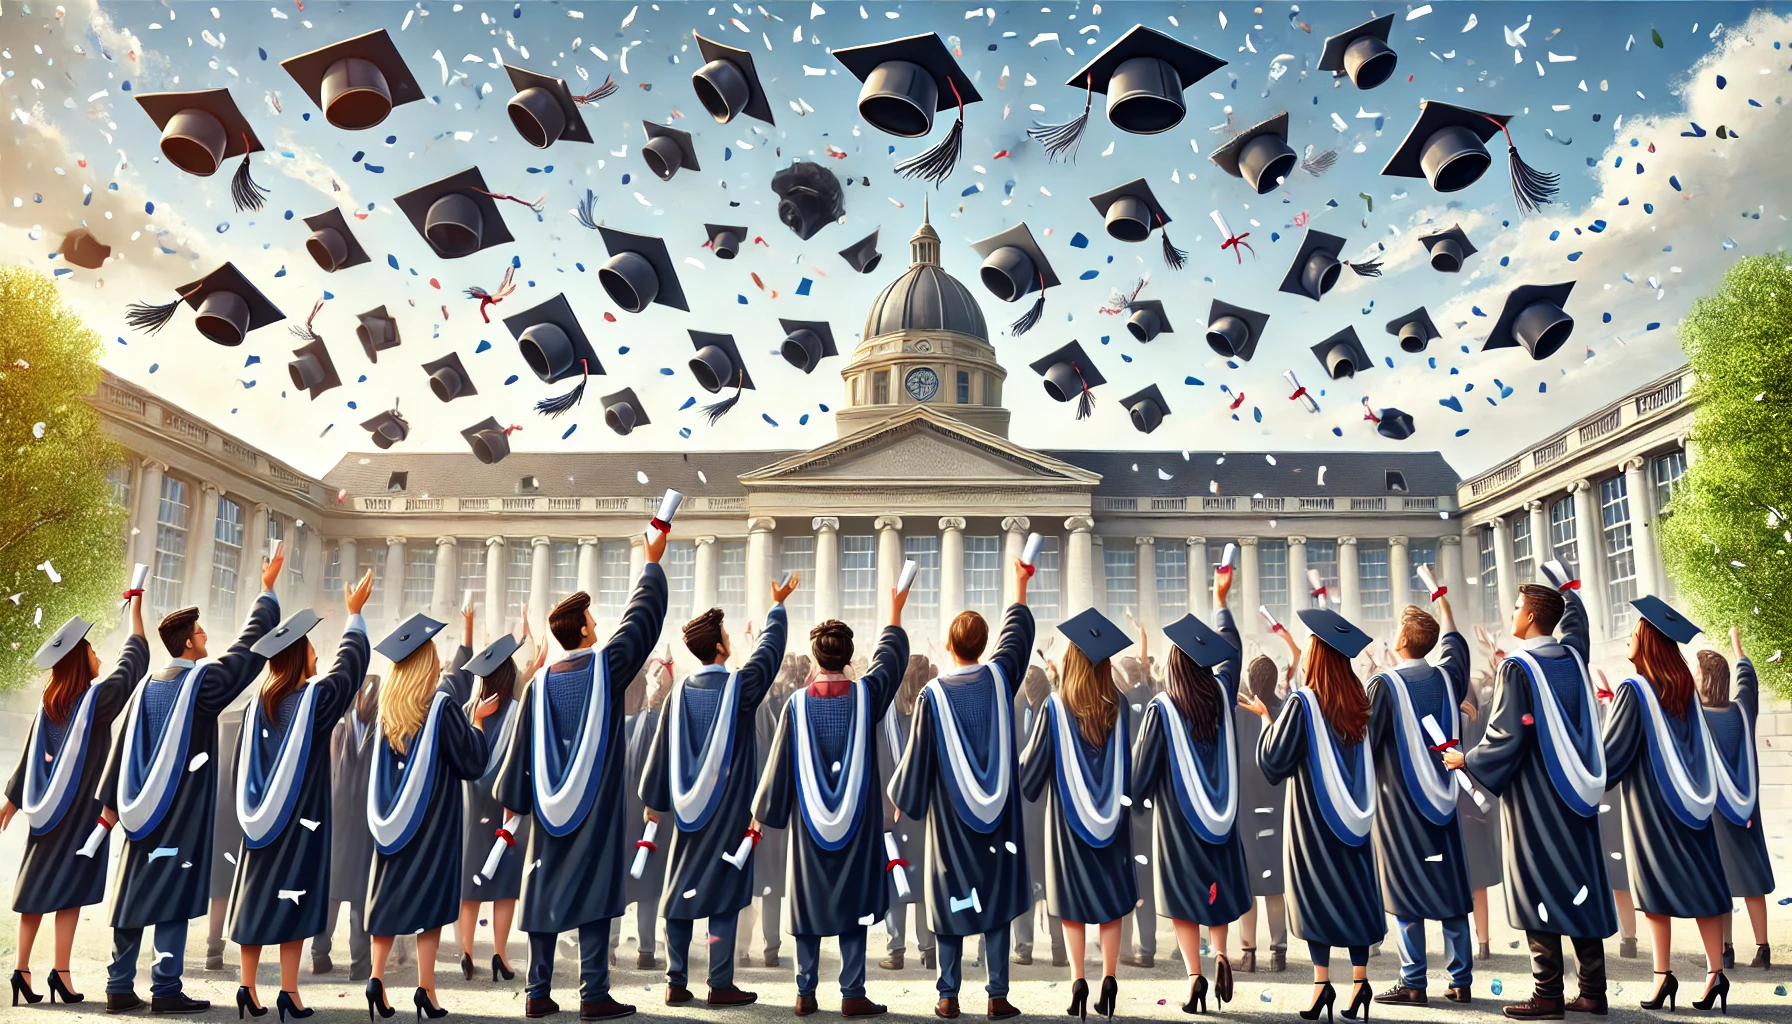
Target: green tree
[
  {"x": 1726, "y": 539},
  {"x": 55, "y": 503}
]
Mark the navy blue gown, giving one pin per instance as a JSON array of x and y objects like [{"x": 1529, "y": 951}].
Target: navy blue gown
[
  {"x": 1089, "y": 869},
  {"x": 1741, "y": 838}
]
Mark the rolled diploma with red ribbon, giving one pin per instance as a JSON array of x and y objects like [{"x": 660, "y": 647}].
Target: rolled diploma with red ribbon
[
  {"x": 506, "y": 839},
  {"x": 662, "y": 520},
  {"x": 1226, "y": 558},
  {"x": 1318, "y": 585},
  {"x": 643, "y": 849},
  {"x": 139, "y": 576},
  {"x": 1029, "y": 555},
  {"x": 95, "y": 840},
  {"x": 1438, "y": 739},
  {"x": 1430, "y": 582},
  {"x": 898, "y": 873},
  {"x": 1269, "y": 619},
  {"x": 739, "y": 857},
  {"x": 1300, "y": 393},
  {"x": 907, "y": 579}
]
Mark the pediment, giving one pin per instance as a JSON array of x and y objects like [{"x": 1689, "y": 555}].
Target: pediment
[{"x": 919, "y": 446}]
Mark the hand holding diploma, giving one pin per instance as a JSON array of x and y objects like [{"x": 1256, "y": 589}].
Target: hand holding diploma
[
  {"x": 644, "y": 848},
  {"x": 896, "y": 866},
  {"x": 506, "y": 839}
]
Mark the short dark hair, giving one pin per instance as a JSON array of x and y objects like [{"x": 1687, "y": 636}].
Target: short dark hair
[
  {"x": 1261, "y": 677},
  {"x": 968, "y": 635},
  {"x": 176, "y": 628},
  {"x": 1417, "y": 632},
  {"x": 832, "y": 643},
  {"x": 567, "y": 620},
  {"x": 1544, "y": 603},
  {"x": 1714, "y": 679},
  {"x": 703, "y": 635}
]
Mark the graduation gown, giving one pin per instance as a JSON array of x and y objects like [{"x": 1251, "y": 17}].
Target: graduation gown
[
  {"x": 638, "y": 733},
  {"x": 484, "y": 814},
  {"x": 1480, "y": 825},
  {"x": 1418, "y": 843},
  {"x": 1552, "y": 850},
  {"x": 164, "y": 872},
  {"x": 769, "y": 853},
  {"x": 227, "y": 834},
  {"x": 1144, "y": 862},
  {"x": 1089, "y": 869},
  {"x": 699, "y": 883},
  {"x": 575, "y": 878},
  {"x": 1032, "y": 810},
  {"x": 1742, "y": 844},
  {"x": 836, "y": 842},
  {"x": 55, "y": 779},
  {"x": 1669, "y": 840},
  {"x": 351, "y": 844},
  {"x": 911, "y": 837},
  {"x": 1611, "y": 824},
  {"x": 1259, "y": 808},
  {"x": 969, "y": 856},
  {"x": 280, "y": 891}
]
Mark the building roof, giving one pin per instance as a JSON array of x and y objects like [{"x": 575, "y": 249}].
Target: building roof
[
  {"x": 925, "y": 298},
  {"x": 1294, "y": 475}
]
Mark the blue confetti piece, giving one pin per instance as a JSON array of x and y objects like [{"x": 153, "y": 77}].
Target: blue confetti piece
[
  {"x": 1256, "y": 414},
  {"x": 329, "y": 295},
  {"x": 1696, "y": 133},
  {"x": 1496, "y": 983},
  {"x": 1333, "y": 203},
  {"x": 1624, "y": 201},
  {"x": 149, "y": 207},
  {"x": 1110, "y": 259},
  {"x": 665, "y": 371},
  {"x": 1104, "y": 339},
  {"x": 1389, "y": 360},
  {"x": 1452, "y": 403},
  {"x": 622, "y": 350},
  {"x": 375, "y": 168},
  {"x": 1574, "y": 257},
  {"x": 1596, "y": 227},
  {"x": 1505, "y": 261},
  {"x": 1079, "y": 241},
  {"x": 510, "y": 380},
  {"x": 742, "y": 299},
  {"x": 1336, "y": 432},
  {"x": 803, "y": 286},
  {"x": 1476, "y": 310},
  {"x": 1653, "y": 325},
  {"x": 352, "y": 405},
  {"x": 281, "y": 272},
  {"x": 1648, "y": 207},
  {"x": 569, "y": 431},
  {"x": 1008, "y": 187},
  {"x": 1674, "y": 180},
  {"x": 1433, "y": 361},
  {"x": 1275, "y": 236},
  {"x": 1752, "y": 103},
  {"x": 625, "y": 178},
  {"x": 390, "y": 139},
  {"x": 1542, "y": 387},
  {"x": 1722, "y": 81},
  {"x": 1592, "y": 162},
  {"x": 581, "y": 267},
  {"x": 392, "y": 261},
  {"x": 971, "y": 190},
  {"x": 1607, "y": 316},
  {"x": 483, "y": 346},
  {"x": 803, "y": 420},
  {"x": 251, "y": 361},
  {"x": 1123, "y": 356},
  {"x": 727, "y": 153},
  {"x": 1194, "y": 382},
  {"x": 1466, "y": 388},
  {"x": 153, "y": 367},
  {"x": 517, "y": 11},
  {"x": 687, "y": 403},
  {"x": 532, "y": 170},
  {"x": 1505, "y": 392},
  {"x": 1553, "y": 235},
  {"x": 824, "y": 407},
  {"x": 1231, "y": 364},
  {"x": 61, "y": 272},
  {"x": 768, "y": 419},
  {"x": 359, "y": 153},
  {"x": 1639, "y": 167},
  {"x": 684, "y": 432},
  {"x": 1618, "y": 162},
  {"x": 890, "y": 150},
  {"x": 1089, "y": 275},
  {"x": 127, "y": 85}
]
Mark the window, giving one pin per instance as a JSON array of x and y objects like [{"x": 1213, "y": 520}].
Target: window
[
  {"x": 612, "y": 578},
  {"x": 858, "y": 582},
  {"x": 681, "y": 580},
  {"x": 880, "y": 387},
  {"x": 371, "y": 557},
  {"x": 471, "y": 580},
  {"x": 1620, "y": 558},
  {"x": 964, "y": 387},
  {"x": 1373, "y": 585},
  {"x": 563, "y": 574},
  {"x": 983, "y": 576},
  {"x": 298, "y": 541},
  {"x": 333, "y": 570},
  {"x": 171, "y": 546},
  {"x": 992, "y": 391},
  {"x": 797, "y": 554},
  {"x": 1669, "y": 471},
  {"x": 118, "y": 481},
  {"x": 731, "y": 578},
  {"x": 1044, "y": 595},
  {"x": 1120, "y": 566},
  {"x": 1563, "y": 540},
  {"x": 519, "y": 561},
  {"x": 1488, "y": 563},
  {"x": 1524, "y": 562},
  {"x": 227, "y": 559},
  {"x": 924, "y": 594},
  {"x": 419, "y": 577},
  {"x": 1171, "y": 566},
  {"x": 1322, "y": 557},
  {"x": 1422, "y": 552},
  {"x": 1272, "y": 577},
  {"x": 855, "y": 391}
]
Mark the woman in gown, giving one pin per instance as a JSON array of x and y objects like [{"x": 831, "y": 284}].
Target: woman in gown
[
  {"x": 64, "y": 756},
  {"x": 1480, "y": 825},
  {"x": 1658, "y": 746},
  {"x": 1186, "y": 765},
  {"x": 1740, "y": 833},
  {"x": 1079, "y": 748},
  {"x": 281, "y": 800},
  {"x": 1260, "y": 822},
  {"x": 1317, "y": 740},
  {"x": 424, "y": 747}
]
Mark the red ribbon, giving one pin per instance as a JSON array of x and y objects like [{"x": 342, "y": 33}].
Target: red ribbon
[
  {"x": 484, "y": 301},
  {"x": 1571, "y": 585},
  {"x": 755, "y": 833},
  {"x": 103, "y": 823},
  {"x": 1298, "y": 393},
  {"x": 1236, "y": 402},
  {"x": 1213, "y": 892},
  {"x": 1446, "y": 745},
  {"x": 1439, "y": 592},
  {"x": 1604, "y": 694},
  {"x": 133, "y": 592},
  {"x": 900, "y": 862},
  {"x": 1031, "y": 569},
  {"x": 661, "y": 525},
  {"x": 1320, "y": 593},
  {"x": 1528, "y": 720},
  {"x": 1237, "y": 244},
  {"x": 1278, "y": 628},
  {"x": 504, "y": 834},
  {"x": 651, "y": 847}
]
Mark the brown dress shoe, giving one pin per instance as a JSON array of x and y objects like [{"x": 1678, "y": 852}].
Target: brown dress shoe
[
  {"x": 125, "y": 1002},
  {"x": 1247, "y": 964},
  {"x": 858, "y": 1007},
  {"x": 605, "y": 1009},
  {"x": 1763, "y": 956},
  {"x": 1400, "y": 995},
  {"x": 893, "y": 962},
  {"x": 542, "y": 1007},
  {"x": 731, "y": 996},
  {"x": 805, "y": 1005},
  {"x": 1536, "y": 1008},
  {"x": 947, "y": 1007},
  {"x": 677, "y": 995},
  {"x": 1459, "y": 994},
  {"x": 646, "y": 962},
  {"x": 1594, "y": 1005},
  {"x": 1001, "y": 1009}
]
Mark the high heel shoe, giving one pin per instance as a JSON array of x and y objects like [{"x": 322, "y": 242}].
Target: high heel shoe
[
  {"x": 1664, "y": 993},
  {"x": 1197, "y": 995},
  {"x": 1323, "y": 1001},
  {"x": 290, "y": 1008},
  {"x": 22, "y": 987},
  {"x": 466, "y": 966},
  {"x": 1110, "y": 993},
  {"x": 245, "y": 1002},
  {"x": 1079, "y": 999},
  {"x": 376, "y": 1000},
  {"x": 59, "y": 988},
  {"x": 499, "y": 971},
  {"x": 425, "y": 1008},
  {"x": 1717, "y": 992},
  {"x": 1222, "y": 979},
  {"x": 1360, "y": 998}
]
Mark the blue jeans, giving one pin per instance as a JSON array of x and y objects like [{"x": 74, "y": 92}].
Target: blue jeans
[
  {"x": 721, "y": 951},
  {"x": 995, "y": 961},
  {"x": 852, "y": 963},
  {"x": 164, "y": 973},
  {"x": 1410, "y": 935},
  {"x": 594, "y": 962}
]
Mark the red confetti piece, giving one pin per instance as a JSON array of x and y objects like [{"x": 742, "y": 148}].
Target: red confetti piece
[
  {"x": 756, "y": 282},
  {"x": 433, "y": 283},
  {"x": 1528, "y": 720},
  {"x": 609, "y": 317},
  {"x": 81, "y": 163},
  {"x": 1213, "y": 892},
  {"x": 1000, "y": 153}
]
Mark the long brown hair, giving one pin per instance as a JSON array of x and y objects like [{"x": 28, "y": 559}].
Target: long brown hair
[
  {"x": 501, "y": 683},
  {"x": 1658, "y": 660},
  {"x": 1088, "y": 691},
  {"x": 286, "y": 673},
  {"x": 1197, "y": 696},
  {"x": 69, "y": 679},
  {"x": 1342, "y": 699},
  {"x": 913, "y": 679},
  {"x": 1714, "y": 679}
]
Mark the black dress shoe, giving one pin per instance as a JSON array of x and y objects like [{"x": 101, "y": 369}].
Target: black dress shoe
[
  {"x": 540, "y": 1007},
  {"x": 180, "y": 1002},
  {"x": 322, "y": 965},
  {"x": 646, "y": 962},
  {"x": 1729, "y": 956},
  {"x": 605, "y": 1009},
  {"x": 1763, "y": 957},
  {"x": 122, "y": 1002}
]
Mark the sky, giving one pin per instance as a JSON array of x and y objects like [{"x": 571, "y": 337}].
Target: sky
[{"x": 1623, "y": 100}]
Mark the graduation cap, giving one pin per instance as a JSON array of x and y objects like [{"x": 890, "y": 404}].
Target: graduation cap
[
  {"x": 809, "y": 197},
  {"x": 668, "y": 150},
  {"x": 1147, "y": 408},
  {"x": 1260, "y": 154},
  {"x": 1448, "y": 249},
  {"x": 356, "y": 82},
  {"x": 544, "y": 110},
  {"x": 1233, "y": 331},
  {"x": 286, "y": 634},
  {"x": 906, "y": 81},
  {"x": 552, "y": 342},
  {"x": 718, "y": 365},
  {"x": 227, "y": 307},
  {"x": 1362, "y": 53},
  {"x": 1445, "y": 147},
  {"x": 489, "y": 441},
  {"x": 378, "y": 331},
  {"x": 332, "y": 244},
  {"x": 1391, "y": 423},
  {"x": 1069, "y": 374},
  {"x": 312, "y": 369},
  {"x": 623, "y": 412},
  {"x": 1092, "y": 633},
  {"x": 1013, "y": 265},
  {"x": 1133, "y": 212},
  {"x": 1316, "y": 266},
  {"x": 1143, "y": 74},
  {"x": 807, "y": 343},
  {"x": 200, "y": 130},
  {"x": 1334, "y": 631},
  {"x": 456, "y": 215},
  {"x": 863, "y": 254},
  {"x": 408, "y": 638},
  {"x": 1204, "y": 645},
  {"x": 1415, "y": 330},
  {"x": 1663, "y": 616},
  {"x": 1342, "y": 354},
  {"x": 1148, "y": 319},
  {"x": 487, "y": 661},
  {"x": 1533, "y": 317},
  {"x": 725, "y": 239},
  {"x": 387, "y": 429},
  {"x": 449, "y": 379},
  {"x": 62, "y": 642},
  {"x": 728, "y": 85},
  {"x": 83, "y": 250},
  {"x": 639, "y": 272}
]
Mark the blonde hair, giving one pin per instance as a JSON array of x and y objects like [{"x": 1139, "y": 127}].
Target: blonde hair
[
  {"x": 406, "y": 694},
  {"x": 1088, "y": 691}
]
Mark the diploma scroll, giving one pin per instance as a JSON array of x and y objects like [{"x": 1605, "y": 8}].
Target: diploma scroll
[
  {"x": 662, "y": 520},
  {"x": 896, "y": 866},
  {"x": 139, "y": 576},
  {"x": 1430, "y": 582},
  {"x": 644, "y": 848},
  {"x": 506, "y": 839},
  {"x": 95, "y": 840},
  {"x": 1300, "y": 393},
  {"x": 1226, "y": 558},
  {"x": 1436, "y": 734},
  {"x": 1029, "y": 555},
  {"x": 738, "y": 859},
  {"x": 1269, "y": 619},
  {"x": 907, "y": 579}
]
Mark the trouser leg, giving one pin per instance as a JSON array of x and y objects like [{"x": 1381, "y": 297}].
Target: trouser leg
[
  {"x": 808, "y": 963},
  {"x": 924, "y": 937},
  {"x": 722, "y": 932},
  {"x": 541, "y": 963},
  {"x": 1277, "y": 912},
  {"x": 121, "y": 973},
  {"x": 594, "y": 960},
  {"x": 852, "y": 963},
  {"x": 1147, "y": 917},
  {"x": 995, "y": 949},
  {"x": 360, "y": 947},
  {"x": 1460, "y": 944},
  {"x": 1589, "y": 962},
  {"x": 896, "y": 928},
  {"x": 1055, "y": 925},
  {"x": 678, "y": 948},
  {"x": 170, "y": 953},
  {"x": 1023, "y": 928},
  {"x": 646, "y": 921},
  {"x": 771, "y": 923},
  {"x": 1409, "y": 937},
  {"x": 744, "y": 919},
  {"x": 324, "y": 941},
  {"x": 1546, "y": 963},
  {"x": 951, "y": 956}
]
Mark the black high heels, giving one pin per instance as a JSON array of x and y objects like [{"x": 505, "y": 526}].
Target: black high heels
[
  {"x": 499, "y": 971},
  {"x": 21, "y": 986},
  {"x": 425, "y": 1008},
  {"x": 59, "y": 988},
  {"x": 376, "y": 1000},
  {"x": 1222, "y": 979},
  {"x": 1664, "y": 992},
  {"x": 289, "y": 1007},
  {"x": 466, "y": 966},
  {"x": 1197, "y": 995},
  {"x": 1110, "y": 993},
  {"x": 1717, "y": 992},
  {"x": 1324, "y": 1001},
  {"x": 1360, "y": 997},
  {"x": 245, "y": 1003},
  {"x": 1079, "y": 999}
]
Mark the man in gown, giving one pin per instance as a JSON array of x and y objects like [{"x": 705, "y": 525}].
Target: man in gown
[{"x": 1029, "y": 703}]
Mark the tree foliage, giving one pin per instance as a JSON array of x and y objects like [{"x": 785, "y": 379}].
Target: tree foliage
[
  {"x": 55, "y": 502},
  {"x": 1726, "y": 540}
]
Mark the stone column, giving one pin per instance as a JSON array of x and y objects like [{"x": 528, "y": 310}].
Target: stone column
[
  {"x": 541, "y": 570},
  {"x": 759, "y": 571},
  {"x": 1249, "y": 569},
  {"x": 202, "y": 545},
  {"x": 248, "y": 577},
  {"x": 590, "y": 555},
  {"x": 1540, "y": 548},
  {"x": 1400, "y": 575},
  {"x": 394, "y": 582},
  {"x": 1449, "y": 568},
  {"x": 637, "y": 557},
  {"x": 951, "y": 571},
  {"x": 1015, "y": 528},
  {"x": 348, "y": 560},
  {"x": 1299, "y": 590},
  {"x": 496, "y": 565},
  {"x": 1350, "y": 591},
  {"x": 1589, "y": 542},
  {"x": 149, "y": 506},
  {"x": 1078, "y": 570},
  {"x": 889, "y": 563},
  {"x": 708, "y": 575},
  {"x": 445, "y": 598},
  {"x": 1147, "y": 583},
  {"x": 1504, "y": 572},
  {"x": 826, "y": 577},
  {"x": 1641, "y": 496},
  {"x": 313, "y": 568},
  {"x": 1200, "y": 581},
  {"x": 1098, "y": 571}
]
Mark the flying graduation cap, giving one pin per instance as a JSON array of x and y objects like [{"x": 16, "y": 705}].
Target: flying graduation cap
[
  {"x": 448, "y": 379},
  {"x": 1233, "y": 331},
  {"x": 82, "y": 249},
  {"x": 1342, "y": 354},
  {"x": 1147, "y": 408},
  {"x": 489, "y": 441},
  {"x": 1415, "y": 330},
  {"x": 312, "y": 370},
  {"x": 1013, "y": 265},
  {"x": 728, "y": 85},
  {"x": 387, "y": 429},
  {"x": 623, "y": 411},
  {"x": 1445, "y": 147},
  {"x": 906, "y": 81},
  {"x": 862, "y": 255},
  {"x": 228, "y": 307},
  {"x": 1069, "y": 374},
  {"x": 1534, "y": 318},
  {"x": 456, "y": 215},
  {"x": 809, "y": 198},
  {"x": 668, "y": 150},
  {"x": 356, "y": 82},
  {"x": 1143, "y": 74},
  {"x": 1448, "y": 248},
  {"x": 718, "y": 365},
  {"x": 807, "y": 343},
  {"x": 555, "y": 347},
  {"x": 200, "y": 130},
  {"x": 544, "y": 110},
  {"x": 1316, "y": 266},
  {"x": 1390, "y": 423},
  {"x": 1260, "y": 154},
  {"x": 332, "y": 244},
  {"x": 1133, "y": 212},
  {"x": 377, "y": 331},
  {"x": 1148, "y": 320},
  {"x": 1362, "y": 53},
  {"x": 639, "y": 272},
  {"x": 725, "y": 239}
]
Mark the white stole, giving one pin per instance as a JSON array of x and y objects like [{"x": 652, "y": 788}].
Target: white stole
[
  {"x": 831, "y": 826},
  {"x": 1215, "y": 821},
  {"x": 1432, "y": 786},
  {"x": 1737, "y": 798},
  {"x": 1099, "y": 821},
  {"x": 392, "y": 831},
  {"x": 558, "y": 808},
  {"x": 1334, "y": 791},
  {"x": 985, "y": 806},
  {"x": 1585, "y": 781},
  {"x": 690, "y": 805},
  {"x": 262, "y": 823},
  {"x": 142, "y": 812},
  {"x": 1666, "y": 754},
  {"x": 44, "y": 809}
]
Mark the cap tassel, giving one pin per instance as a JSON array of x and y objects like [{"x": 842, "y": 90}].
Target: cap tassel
[
  {"x": 1531, "y": 189},
  {"x": 1369, "y": 412},
  {"x": 1061, "y": 141},
  {"x": 1174, "y": 258},
  {"x": 1031, "y": 317},
  {"x": 534, "y": 207},
  {"x": 721, "y": 409},
  {"x": 1085, "y": 402},
  {"x": 1370, "y": 269},
  {"x": 603, "y": 91},
  {"x": 142, "y": 316},
  {"x": 489, "y": 299},
  {"x": 555, "y": 407},
  {"x": 587, "y": 211},
  {"x": 305, "y": 332},
  {"x": 936, "y": 164},
  {"x": 245, "y": 194}
]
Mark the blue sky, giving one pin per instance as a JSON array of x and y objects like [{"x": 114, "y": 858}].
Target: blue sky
[{"x": 1729, "y": 203}]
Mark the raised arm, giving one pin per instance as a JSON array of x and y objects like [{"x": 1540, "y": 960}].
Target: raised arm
[
  {"x": 761, "y": 670},
  {"x": 889, "y": 663},
  {"x": 632, "y": 643},
  {"x": 343, "y": 682},
  {"x": 1575, "y": 629},
  {"x": 1229, "y": 670},
  {"x": 133, "y": 665},
  {"x": 1015, "y": 646},
  {"x": 239, "y": 666},
  {"x": 1454, "y": 663},
  {"x": 1624, "y": 736}
]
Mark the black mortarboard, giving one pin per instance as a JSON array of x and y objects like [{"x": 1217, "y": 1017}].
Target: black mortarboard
[
  {"x": 1069, "y": 374},
  {"x": 718, "y": 364},
  {"x": 487, "y": 661},
  {"x": 1233, "y": 331},
  {"x": 807, "y": 343},
  {"x": 552, "y": 342},
  {"x": 1362, "y": 53},
  {"x": 1448, "y": 249},
  {"x": 623, "y": 412},
  {"x": 355, "y": 82},
  {"x": 408, "y": 638},
  {"x": 1335, "y": 631},
  {"x": 1091, "y": 632},
  {"x": 387, "y": 429},
  {"x": 332, "y": 244},
  {"x": 728, "y": 84},
  {"x": 726, "y": 239},
  {"x": 809, "y": 197},
  {"x": 1534, "y": 318},
  {"x": 1316, "y": 266},
  {"x": 543, "y": 111},
  {"x": 227, "y": 307},
  {"x": 1147, "y": 408},
  {"x": 1143, "y": 74},
  {"x": 639, "y": 272},
  {"x": 1204, "y": 645},
  {"x": 1260, "y": 154},
  {"x": 489, "y": 441},
  {"x": 863, "y": 254},
  {"x": 1662, "y": 616},
  {"x": 1446, "y": 146},
  {"x": 62, "y": 642},
  {"x": 668, "y": 150},
  {"x": 1415, "y": 330},
  {"x": 456, "y": 215},
  {"x": 1013, "y": 264},
  {"x": 82, "y": 249},
  {"x": 1148, "y": 319},
  {"x": 312, "y": 370},
  {"x": 907, "y": 81},
  {"x": 1394, "y": 424},
  {"x": 200, "y": 130},
  {"x": 378, "y": 331},
  {"x": 1342, "y": 354},
  {"x": 449, "y": 379},
  {"x": 286, "y": 633},
  {"x": 1132, "y": 210}
]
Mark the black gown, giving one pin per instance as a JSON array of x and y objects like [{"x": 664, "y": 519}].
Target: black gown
[
  {"x": 1084, "y": 881},
  {"x": 1032, "y": 811},
  {"x": 484, "y": 812},
  {"x": 151, "y": 886},
  {"x": 1742, "y": 846},
  {"x": 296, "y": 858},
  {"x": 351, "y": 844},
  {"x": 837, "y": 889},
  {"x": 1259, "y": 808},
  {"x": 1137, "y": 698},
  {"x": 51, "y": 876},
  {"x": 227, "y": 832},
  {"x": 964, "y": 860},
  {"x": 911, "y": 837},
  {"x": 1197, "y": 879},
  {"x": 774, "y": 843},
  {"x": 1480, "y": 824},
  {"x": 638, "y": 733}
]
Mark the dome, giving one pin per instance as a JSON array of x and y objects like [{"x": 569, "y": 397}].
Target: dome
[{"x": 925, "y": 298}]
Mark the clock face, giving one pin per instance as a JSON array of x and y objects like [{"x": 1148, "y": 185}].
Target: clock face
[{"x": 922, "y": 384}]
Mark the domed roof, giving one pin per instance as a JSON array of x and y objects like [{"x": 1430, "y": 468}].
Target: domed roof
[{"x": 925, "y": 298}]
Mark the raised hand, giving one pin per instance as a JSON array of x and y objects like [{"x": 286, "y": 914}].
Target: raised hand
[
  {"x": 270, "y": 567},
  {"x": 1250, "y": 703},
  {"x": 356, "y": 594},
  {"x": 1736, "y": 642},
  {"x": 1222, "y": 586},
  {"x": 779, "y": 593},
  {"x": 898, "y": 598},
  {"x": 656, "y": 545}
]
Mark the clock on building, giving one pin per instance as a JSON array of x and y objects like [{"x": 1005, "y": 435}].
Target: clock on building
[{"x": 922, "y": 383}]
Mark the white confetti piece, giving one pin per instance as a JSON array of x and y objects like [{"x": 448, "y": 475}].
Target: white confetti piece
[
  {"x": 1436, "y": 858},
  {"x": 1557, "y": 58},
  {"x": 50, "y": 570},
  {"x": 1418, "y": 12},
  {"x": 309, "y": 825},
  {"x": 809, "y": 72},
  {"x": 1044, "y": 37},
  {"x": 291, "y": 894},
  {"x": 1320, "y": 480},
  {"x": 689, "y": 894},
  {"x": 1543, "y": 912},
  {"x": 1581, "y": 896},
  {"x": 198, "y": 761},
  {"x": 1339, "y": 123},
  {"x": 162, "y": 851},
  {"x": 630, "y": 20},
  {"x": 1472, "y": 22}
]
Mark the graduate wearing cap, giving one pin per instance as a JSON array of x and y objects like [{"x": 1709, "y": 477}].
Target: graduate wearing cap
[
  {"x": 911, "y": 840},
  {"x": 958, "y": 776},
  {"x": 1541, "y": 754},
  {"x": 1741, "y": 838},
  {"x": 1658, "y": 744},
  {"x": 161, "y": 784},
  {"x": 1319, "y": 741},
  {"x": 64, "y": 752},
  {"x": 279, "y": 893},
  {"x": 565, "y": 767}
]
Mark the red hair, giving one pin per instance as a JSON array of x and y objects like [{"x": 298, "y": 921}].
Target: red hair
[
  {"x": 1658, "y": 660},
  {"x": 1342, "y": 699},
  {"x": 69, "y": 679}
]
